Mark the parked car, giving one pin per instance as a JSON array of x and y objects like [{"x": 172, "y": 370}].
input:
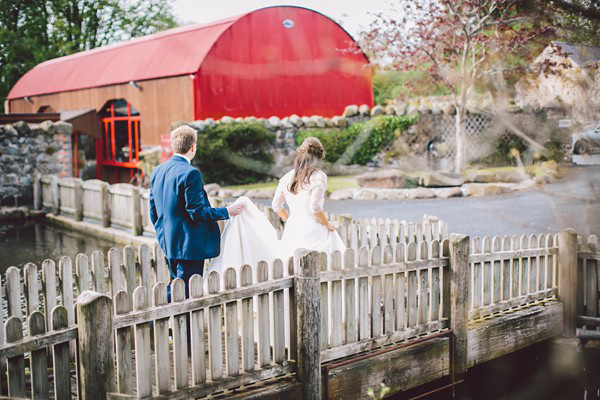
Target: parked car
[{"x": 588, "y": 141}]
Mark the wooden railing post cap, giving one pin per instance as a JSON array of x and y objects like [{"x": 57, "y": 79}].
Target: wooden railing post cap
[
  {"x": 89, "y": 296},
  {"x": 306, "y": 263},
  {"x": 458, "y": 237}
]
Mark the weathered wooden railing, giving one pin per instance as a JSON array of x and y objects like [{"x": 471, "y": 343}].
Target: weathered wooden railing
[
  {"x": 588, "y": 276},
  {"x": 258, "y": 322},
  {"x": 505, "y": 273}
]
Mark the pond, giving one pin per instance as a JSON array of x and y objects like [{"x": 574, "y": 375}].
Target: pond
[{"x": 35, "y": 241}]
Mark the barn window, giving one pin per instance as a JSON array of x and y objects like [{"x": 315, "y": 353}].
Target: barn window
[{"x": 121, "y": 136}]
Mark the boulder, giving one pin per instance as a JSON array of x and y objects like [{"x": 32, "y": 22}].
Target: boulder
[
  {"x": 10, "y": 180},
  {"x": 329, "y": 123},
  {"x": 479, "y": 176},
  {"x": 484, "y": 189},
  {"x": 264, "y": 193},
  {"x": 22, "y": 128},
  {"x": 441, "y": 179},
  {"x": 212, "y": 187},
  {"x": 226, "y": 119},
  {"x": 339, "y": 121},
  {"x": 390, "y": 110},
  {"x": 318, "y": 120},
  {"x": 449, "y": 109},
  {"x": 391, "y": 194},
  {"x": 385, "y": 179},
  {"x": 351, "y": 111},
  {"x": 364, "y": 110},
  {"x": 224, "y": 193},
  {"x": 274, "y": 122},
  {"x": 343, "y": 194},
  {"x": 449, "y": 192},
  {"x": 309, "y": 123},
  {"x": 421, "y": 193},
  {"x": 365, "y": 194},
  {"x": 377, "y": 110},
  {"x": 296, "y": 120},
  {"x": 512, "y": 175},
  {"x": 400, "y": 109}
]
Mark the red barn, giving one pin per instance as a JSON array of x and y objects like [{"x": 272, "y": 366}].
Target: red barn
[{"x": 278, "y": 61}]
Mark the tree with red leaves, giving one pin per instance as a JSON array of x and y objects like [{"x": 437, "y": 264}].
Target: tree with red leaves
[{"x": 463, "y": 42}]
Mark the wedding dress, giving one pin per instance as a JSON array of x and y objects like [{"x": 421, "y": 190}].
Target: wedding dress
[{"x": 249, "y": 237}]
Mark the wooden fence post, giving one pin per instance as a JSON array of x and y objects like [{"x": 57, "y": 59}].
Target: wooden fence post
[
  {"x": 459, "y": 301},
  {"x": 78, "y": 199},
  {"x": 96, "y": 345},
  {"x": 344, "y": 221},
  {"x": 136, "y": 211},
  {"x": 105, "y": 199},
  {"x": 55, "y": 195},
  {"x": 308, "y": 301},
  {"x": 567, "y": 280},
  {"x": 37, "y": 192}
]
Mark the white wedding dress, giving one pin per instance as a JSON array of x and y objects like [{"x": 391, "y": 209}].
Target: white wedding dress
[{"x": 249, "y": 237}]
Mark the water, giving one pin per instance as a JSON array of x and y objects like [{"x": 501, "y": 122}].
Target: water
[{"x": 35, "y": 242}]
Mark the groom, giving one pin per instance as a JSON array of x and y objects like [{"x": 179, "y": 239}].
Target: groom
[{"x": 184, "y": 221}]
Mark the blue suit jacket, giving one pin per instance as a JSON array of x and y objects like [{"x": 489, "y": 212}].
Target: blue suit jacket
[{"x": 184, "y": 221}]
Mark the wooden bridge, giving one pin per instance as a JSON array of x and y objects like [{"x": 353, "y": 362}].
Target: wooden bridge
[{"x": 406, "y": 304}]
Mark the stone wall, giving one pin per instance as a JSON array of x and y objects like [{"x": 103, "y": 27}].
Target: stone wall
[{"x": 29, "y": 149}]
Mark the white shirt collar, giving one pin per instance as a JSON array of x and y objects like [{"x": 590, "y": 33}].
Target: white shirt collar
[{"x": 184, "y": 157}]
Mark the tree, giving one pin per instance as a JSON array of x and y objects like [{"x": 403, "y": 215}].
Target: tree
[
  {"x": 32, "y": 31},
  {"x": 579, "y": 19},
  {"x": 462, "y": 41}
]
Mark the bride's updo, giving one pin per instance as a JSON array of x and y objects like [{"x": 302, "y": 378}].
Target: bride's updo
[{"x": 309, "y": 159}]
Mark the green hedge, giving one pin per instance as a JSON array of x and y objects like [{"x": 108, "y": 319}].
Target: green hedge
[
  {"x": 365, "y": 139},
  {"x": 235, "y": 153}
]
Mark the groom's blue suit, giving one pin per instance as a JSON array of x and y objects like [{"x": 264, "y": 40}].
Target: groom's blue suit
[{"x": 184, "y": 221}]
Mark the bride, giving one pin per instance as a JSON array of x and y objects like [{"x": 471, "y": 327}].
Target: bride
[{"x": 249, "y": 237}]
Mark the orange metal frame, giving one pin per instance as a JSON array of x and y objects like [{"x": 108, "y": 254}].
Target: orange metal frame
[{"x": 110, "y": 150}]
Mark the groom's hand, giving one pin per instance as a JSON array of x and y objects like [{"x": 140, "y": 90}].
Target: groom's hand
[{"x": 235, "y": 209}]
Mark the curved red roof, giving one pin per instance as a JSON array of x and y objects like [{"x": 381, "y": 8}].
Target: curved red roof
[{"x": 173, "y": 52}]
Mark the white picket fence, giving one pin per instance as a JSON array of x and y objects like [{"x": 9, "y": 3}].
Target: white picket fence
[{"x": 588, "y": 271}]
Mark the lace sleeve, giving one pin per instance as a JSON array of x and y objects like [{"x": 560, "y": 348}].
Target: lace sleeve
[
  {"x": 279, "y": 198},
  {"x": 318, "y": 186}
]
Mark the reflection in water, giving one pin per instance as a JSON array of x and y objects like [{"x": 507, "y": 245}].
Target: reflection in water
[{"x": 35, "y": 241}]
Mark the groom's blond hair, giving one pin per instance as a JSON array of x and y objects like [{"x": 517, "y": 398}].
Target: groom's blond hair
[{"x": 183, "y": 138}]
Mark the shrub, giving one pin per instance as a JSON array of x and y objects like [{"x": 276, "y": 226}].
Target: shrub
[
  {"x": 504, "y": 148},
  {"x": 235, "y": 153},
  {"x": 363, "y": 140}
]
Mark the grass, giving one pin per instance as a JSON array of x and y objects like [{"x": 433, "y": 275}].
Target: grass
[{"x": 333, "y": 183}]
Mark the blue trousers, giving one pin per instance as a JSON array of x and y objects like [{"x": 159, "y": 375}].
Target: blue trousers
[{"x": 184, "y": 269}]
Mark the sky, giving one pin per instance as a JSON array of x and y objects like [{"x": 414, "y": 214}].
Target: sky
[{"x": 353, "y": 15}]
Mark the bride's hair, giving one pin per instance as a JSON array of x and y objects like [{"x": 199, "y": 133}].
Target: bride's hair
[{"x": 309, "y": 158}]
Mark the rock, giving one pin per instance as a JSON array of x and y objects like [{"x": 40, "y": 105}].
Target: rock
[
  {"x": 250, "y": 119},
  {"x": 513, "y": 175},
  {"x": 479, "y": 176},
  {"x": 212, "y": 187},
  {"x": 10, "y": 131},
  {"x": 25, "y": 180},
  {"x": 421, "y": 193},
  {"x": 400, "y": 109},
  {"x": 365, "y": 194},
  {"x": 10, "y": 180},
  {"x": 449, "y": 109},
  {"x": 265, "y": 194},
  {"x": 449, "y": 192},
  {"x": 412, "y": 111},
  {"x": 391, "y": 194},
  {"x": 318, "y": 120},
  {"x": 364, "y": 110},
  {"x": 296, "y": 121},
  {"x": 441, "y": 179},
  {"x": 525, "y": 184},
  {"x": 339, "y": 121},
  {"x": 224, "y": 193},
  {"x": 226, "y": 120},
  {"x": 274, "y": 121},
  {"x": 343, "y": 194},
  {"x": 239, "y": 119},
  {"x": 329, "y": 123},
  {"x": 424, "y": 109},
  {"x": 351, "y": 111},
  {"x": 484, "y": 189},
  {"x": 390, "y": 110},
  {"x": 238, "y": 193},
  {"x": 22, "y": 128},
  {"x": 377, "y": 110},
  {"x": 11, "y": 213},
  {"x": 62, "y": 127},
  {"x": 309, "y": 123},
  {"x": 387, "y": 179}
]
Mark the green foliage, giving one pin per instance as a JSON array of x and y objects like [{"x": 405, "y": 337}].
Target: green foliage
[
  {"x": 37, "y": 30},
  {"x": 360, "y": 142},
  {"x": 384, "y": 391},
  {"x": 235, "y": 153},
  {"x": 554, "y": 150},
  {"x": 391, "y": 84},
  {"x": 504, "y": 154}
]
